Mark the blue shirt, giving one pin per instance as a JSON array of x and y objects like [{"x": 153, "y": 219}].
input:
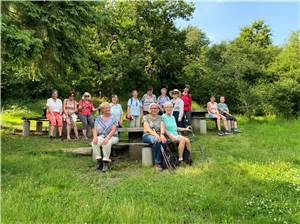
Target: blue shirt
[
  {"x": 116, "y": 110},
  {"x": 135, "y": 106},
  {"x": 161, "y": 100},
  {"x": 222, "y": 106},
  {"x": 170, "y": 124}
]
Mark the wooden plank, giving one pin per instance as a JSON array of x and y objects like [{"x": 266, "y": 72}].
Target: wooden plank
[{"x": 130, "y": 129}]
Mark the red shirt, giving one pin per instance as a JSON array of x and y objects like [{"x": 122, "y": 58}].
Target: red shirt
[
  {"x": 187, "y": 99},
  {"x": 87, "y": 107}
]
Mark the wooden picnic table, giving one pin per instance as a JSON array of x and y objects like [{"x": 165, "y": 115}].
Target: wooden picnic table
[
  {"x": 198, "y": 120},
  {"x": 134, "y": 134},
  {"x": 199, "y": 113}
]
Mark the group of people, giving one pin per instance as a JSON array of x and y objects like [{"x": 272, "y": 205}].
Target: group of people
[
  {"x": 163, "y": 117},
  {"x": 220, "y": 111}
]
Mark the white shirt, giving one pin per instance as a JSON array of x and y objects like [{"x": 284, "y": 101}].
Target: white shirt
[
  {"x": 54, "y": 105},
  {"x": 178, "y": 105}
]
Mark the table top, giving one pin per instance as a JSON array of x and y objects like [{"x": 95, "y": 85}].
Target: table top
[{"x": 140, "y": 129}]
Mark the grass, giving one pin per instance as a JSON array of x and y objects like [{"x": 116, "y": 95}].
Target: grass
[{"x": 253, "y": 177}]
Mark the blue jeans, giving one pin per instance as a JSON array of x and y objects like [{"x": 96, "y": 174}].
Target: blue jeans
[
  {"x": 86, "y": 121},
  {"x": 156, "y": 145}
]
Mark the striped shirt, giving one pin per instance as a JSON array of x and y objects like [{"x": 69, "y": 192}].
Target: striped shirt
[
  {"x": 104, "y": 127},
  {"x": 147, "y": 100}
]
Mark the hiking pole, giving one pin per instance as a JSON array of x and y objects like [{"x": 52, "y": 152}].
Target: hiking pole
[{"x": 167, "y": 161}]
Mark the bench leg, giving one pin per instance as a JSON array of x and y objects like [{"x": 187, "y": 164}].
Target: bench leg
[
  {"x": 39, "y": 126},
  {"x": 135, "y": 152},
  {"x": 55, "y": 132},
  {"x": 147, "y": 156},
  {"x": 203, "y": 128},
  {"x": 26, "y": 128}
]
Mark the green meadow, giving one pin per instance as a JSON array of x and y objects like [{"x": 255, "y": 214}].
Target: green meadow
[{"x": 252, "y": 177}]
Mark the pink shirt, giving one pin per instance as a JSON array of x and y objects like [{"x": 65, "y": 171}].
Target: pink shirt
[
  {"x": 87, "y": 107},
  {"x": 187, "y": 99}
]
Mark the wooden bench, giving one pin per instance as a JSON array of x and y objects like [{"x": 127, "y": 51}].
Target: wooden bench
[{"x": 39, "y": 126}]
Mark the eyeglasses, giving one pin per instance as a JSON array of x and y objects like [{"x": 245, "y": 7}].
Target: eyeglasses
[{"x": 86, "y": 96}]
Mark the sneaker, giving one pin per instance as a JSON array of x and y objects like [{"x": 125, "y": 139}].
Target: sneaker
[
  {"x": 158, "y": 167},
  {"x": 105, "y": 166},
  {"x": 236, "y": 130},
  {"x": 51, "y": 138},
  {"x": 226, "y": 132},
  {"x": 60, "y": 138},
  {"x": 99, "y": 164},
  {"x": 220, "y": 133}
]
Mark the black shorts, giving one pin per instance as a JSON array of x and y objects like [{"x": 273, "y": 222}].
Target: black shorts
[{"x": 229, "y": 117}]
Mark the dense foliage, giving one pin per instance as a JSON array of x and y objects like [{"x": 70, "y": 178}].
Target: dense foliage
[{"x": 117, "y": 46}]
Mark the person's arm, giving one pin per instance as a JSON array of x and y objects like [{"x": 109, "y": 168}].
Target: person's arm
[
  {"x": 181, "y": 109},
  {"x": 111, "y": 133},
  {"x": 157, "y": 102},
  {"x": 121, "y": 115},
  {"x": 64, "y": 107},
  {"x": 61, "y": 108},
  {"x": 162, "y": 132},
  {"x": 150, "y": 131},
  {"x": 80, "y": 105},
  {"x": 49, "y": 108},
  {"x": 93, "y": 108},
  {"x": 128, "y": 107},
  {"x": 95, "y": 136},
  {"x": 76, "y": 106}
]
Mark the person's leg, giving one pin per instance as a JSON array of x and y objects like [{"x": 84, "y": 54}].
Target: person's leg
[
  {"x": 52, "y": 121},
  {"x": 106, "y": 149},
  {"x": 188, "y": 117},
  {"x": 150, "y": 139},
  {"x": 187, "y": 143},
  {"x": 91, "y": 121},
  {"x": 69, "y": 126},
  {"x": 58, "y": 118},
  {"x": 138, "y": 121},
  {"x": 176, "y": 115},
  {"x": 181, "y": 149},
  {"x": 218, "y": 122},
  {"x": 75, "y": 130},
  {"x": 132, "y": 122},
  {"x": 97, "y": 150},
  {"x": 224, "y": 121},
  {"x": 83, "y": 119}
]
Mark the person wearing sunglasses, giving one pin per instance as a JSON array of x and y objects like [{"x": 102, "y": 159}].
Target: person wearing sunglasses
[
  {"x": 178, "y": 107},
  {"x": 85, "y": 108},
  {"x": 70, "y": 116},
  {"x": 154, "y": 133}
]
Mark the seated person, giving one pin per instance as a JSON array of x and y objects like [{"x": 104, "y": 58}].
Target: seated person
[
  {"x": 171, "y": 131},
  {"x": 105, "y": 135},
  {"x": 223, "y": 109},
  {"x": 213, "y": 113},
  {"x": 154, "y": 133}
]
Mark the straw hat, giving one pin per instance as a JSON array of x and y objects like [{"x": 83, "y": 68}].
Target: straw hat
[{"x": 175, "y": 90}]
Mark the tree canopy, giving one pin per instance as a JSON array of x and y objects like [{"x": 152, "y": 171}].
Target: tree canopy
[{"x": 117, "y": 46}]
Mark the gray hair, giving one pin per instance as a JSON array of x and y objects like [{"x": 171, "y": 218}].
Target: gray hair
[
  {"x": 152, "y": 104},
  {"x": 169, "y": 103}
]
